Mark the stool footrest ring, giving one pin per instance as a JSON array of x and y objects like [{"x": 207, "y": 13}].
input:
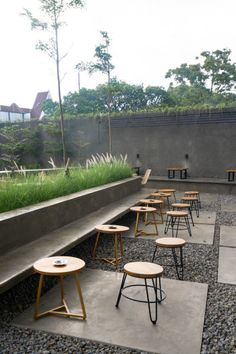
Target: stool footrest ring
[{"x": 162, "y": 292}]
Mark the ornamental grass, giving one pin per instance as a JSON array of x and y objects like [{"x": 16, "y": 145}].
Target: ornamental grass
[{"x": 22, "y": 191}]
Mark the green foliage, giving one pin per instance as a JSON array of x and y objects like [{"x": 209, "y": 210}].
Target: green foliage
[
  {"x": 216, "y": 69},
  {"x": 20, "y": 192},
  {"x": 17, "y": 142}
]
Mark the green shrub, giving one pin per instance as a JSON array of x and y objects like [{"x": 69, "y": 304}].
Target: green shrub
[{"x": 22, "y": 191}]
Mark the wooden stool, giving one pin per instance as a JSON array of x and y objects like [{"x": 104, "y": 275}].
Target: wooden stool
[
  {"x": 173, "y": 244},
  {"x": 162, "y": 196},
  {"x": 144, "y": 210},
  {"x": 145, "y": 271},
  {"x": 116, "y": 231},
  {"x": 194, "y": 194},
  {"x": 193, "y": 201},
  {"x": 168, "y": 190},
  {"x": 156, "y": 203},
  {"x": 177, "y": 220},
  {"x": 59, "y": 266},
  {"x": 183, "y": 206}
]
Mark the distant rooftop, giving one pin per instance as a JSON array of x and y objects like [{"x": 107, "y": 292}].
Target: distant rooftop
[{"x": 14, "y": 113}]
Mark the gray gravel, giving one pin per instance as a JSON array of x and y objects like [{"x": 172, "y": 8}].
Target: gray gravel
[{"x": 219, "y": 326}]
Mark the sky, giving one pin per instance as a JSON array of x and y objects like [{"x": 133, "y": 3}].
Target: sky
[{"x": 148, "y": 37}]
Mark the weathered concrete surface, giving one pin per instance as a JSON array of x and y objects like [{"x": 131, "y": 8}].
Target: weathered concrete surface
[
  {"x": 227, "y": 265},
  {"x": 180, "y": 316},
  {"x": 201, "y": 233},
  {"x": 24, "y": 225},
  {"x": 229, "y": 206},
  {"x": 203, "y": 185},
  {"x": 228, "y": 236},
  {"x": 205, "y": 217},
  {"x": 17, "y": 264}
]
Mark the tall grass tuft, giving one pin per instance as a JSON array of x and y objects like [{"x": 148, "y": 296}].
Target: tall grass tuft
[{"x": 24, "y": 191}]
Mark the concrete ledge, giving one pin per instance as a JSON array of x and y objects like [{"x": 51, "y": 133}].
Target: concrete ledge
[
  {"x": 206, "y": 185},
  {"x": 17, "y": 264},
  {"x": 27, "y": 224}
]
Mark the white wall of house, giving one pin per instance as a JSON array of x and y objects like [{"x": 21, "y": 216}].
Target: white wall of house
[{"x": 14, "y": 117}]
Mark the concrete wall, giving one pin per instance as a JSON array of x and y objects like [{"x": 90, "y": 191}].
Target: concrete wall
[
  {"x": 24, "y": 225},
  {"x": 162, "y": 140},
  {"x": 208, "y": 139}
]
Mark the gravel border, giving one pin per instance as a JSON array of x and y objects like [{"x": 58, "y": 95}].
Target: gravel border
[{"x": 219, "y": 325}]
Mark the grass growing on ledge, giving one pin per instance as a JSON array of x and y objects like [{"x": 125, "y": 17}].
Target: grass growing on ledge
[{"x": 24, "y": 191}]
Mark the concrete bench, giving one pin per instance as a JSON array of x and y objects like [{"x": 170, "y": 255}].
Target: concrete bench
[
  {"x": 16, "y": 263},
  {"x": 182, "y": 172},
  {"x": 231, "y": 174}
]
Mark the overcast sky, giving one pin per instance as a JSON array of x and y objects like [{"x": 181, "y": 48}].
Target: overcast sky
[{"x": 148, "y": 37}]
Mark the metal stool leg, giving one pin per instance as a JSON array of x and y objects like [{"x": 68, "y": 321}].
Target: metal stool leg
[
  {"x": 188, "y": 225},
  {"x": 168, "y": 222},
  {"x": 154, "y": 254},
  {"x": 148, "y": 300},
  {"x": 121, "y": 287}
]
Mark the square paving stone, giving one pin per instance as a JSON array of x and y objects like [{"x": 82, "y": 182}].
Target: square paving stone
[
  {"x": 201, "y": 233},
  {"x": 229, "y": 206},
  {"x": 228, "y": 236},
  {"x": 180, "y": 315},
  {"x": 227, "y": 265},
  {"x": 205, "y": 217}
]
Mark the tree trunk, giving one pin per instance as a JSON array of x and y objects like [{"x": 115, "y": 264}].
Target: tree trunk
[{"x": 59, "y": 94}]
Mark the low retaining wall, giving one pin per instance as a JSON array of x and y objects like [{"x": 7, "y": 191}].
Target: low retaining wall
[
  {"x": 24, "y": 225},
  {"x": 201, "y": 185}
]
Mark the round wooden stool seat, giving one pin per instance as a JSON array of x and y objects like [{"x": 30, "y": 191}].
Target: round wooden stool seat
[
  {"x": 189, "y": 199},
  {"x": 111, "y": 229},
  {"x": 191, "y": 193},
  {"x": 46, "y": 266},
  {"x": 151, "y": 201},
  {"x": 115, "y": 231},
  {"x": 177, "y": 220},
  {"x": 142, "y": 209},
  {"x": 177, "y": 213},
  {"x": 167, "y": 190},
  {"x": 180, "y": 205},
  {"x": 143, "y": 270},
  {"x": 59, "y": 266},
  {"x": 175, "y": 245},
  {"x": 151, "y": 274},
  {"x": 170, "y": 242},
  {"x": 160, "y": 194}
]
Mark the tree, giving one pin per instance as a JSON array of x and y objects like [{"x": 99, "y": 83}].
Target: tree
[
  {"x": 156, "y": 96},
  {"x": 188, "y": 75},
  {"x": 52, "y": 11},
  {"x": 216, "y": 71},
  {"x": 219, "y": 69},
  {"x": 104, "y": 65},
  {"x": 50, "y": 107}
]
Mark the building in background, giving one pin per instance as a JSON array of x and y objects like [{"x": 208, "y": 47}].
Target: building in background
[{"x": 14, "y": 113}]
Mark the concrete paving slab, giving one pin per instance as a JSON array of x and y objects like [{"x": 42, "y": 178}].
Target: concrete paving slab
[
  {"x": 229, "y": 206},
  {"x": 228, "y": 236},
  {"x": 205, "y": 217},
  {"x": 227, "y": 265},
  {"x": 180, "y": 316},
  {"x": 201, "y": 233},
  {"x": 205, "y": 197}
]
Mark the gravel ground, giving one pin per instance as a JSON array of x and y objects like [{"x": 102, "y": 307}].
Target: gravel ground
[{"x": 219, "y": 326}]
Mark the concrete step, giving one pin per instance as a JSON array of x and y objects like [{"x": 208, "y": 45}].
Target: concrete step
[{"x": 18, "y": 263}]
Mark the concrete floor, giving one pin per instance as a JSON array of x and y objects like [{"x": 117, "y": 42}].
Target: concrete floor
[
  {"x": 201, "y": 233},
  {"x": 227, "y": 255},
  {"x": 180, "y": 316}
]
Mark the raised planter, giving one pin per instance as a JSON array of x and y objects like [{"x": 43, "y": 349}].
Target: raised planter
[{"x": 24, "y": 225}]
